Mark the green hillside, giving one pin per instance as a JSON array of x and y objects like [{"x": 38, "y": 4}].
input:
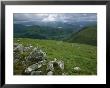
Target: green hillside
[
  {"x": 87, "y": 35},
  {"x": 73, "y": 54},
  {"x": 41, "y": 32}
]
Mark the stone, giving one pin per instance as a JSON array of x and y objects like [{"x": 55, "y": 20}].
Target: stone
[
  {"x": 43, "y": 62},
  {"x": 24, "y": 63},
  {"x": 30, "y": 46},
  {"x": 77, "y": 69},
  {"x": 36, "y": 72},
  {"x": 37, "y": 55},
  {"x": 64, "y": 73},
  {"x": 15, "y": 45},
  {"x": 26, "y": 49},
  {"x": 16, "y": 60},
  {"x": 18, "y": 40},
  {"x": 28, "y": 70},
  {"x": 55, "y": 59},
  {"x": 16, "y": 55},
  {"x": 61, "y": 64},
  {"x": 55, "y": 67},
  {"x": 50, "y": 73},
  {"x": 39, "y": 65},
  {"x": 18, "y": 48},
  {"x": 50, "y": 66},
  {"x": 32, "y": 67}
]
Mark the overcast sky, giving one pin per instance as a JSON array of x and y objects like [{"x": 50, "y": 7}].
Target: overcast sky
[{"x": 63, "y": 17}]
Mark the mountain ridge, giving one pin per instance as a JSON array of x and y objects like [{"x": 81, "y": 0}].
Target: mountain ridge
[{"x": 88, "y": 35}]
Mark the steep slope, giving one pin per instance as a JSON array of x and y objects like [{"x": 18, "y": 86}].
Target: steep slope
[{"x": 87, "y": 35}]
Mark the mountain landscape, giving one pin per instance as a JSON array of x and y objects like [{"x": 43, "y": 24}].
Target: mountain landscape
[
  {"x": 71, "y": 33},
  {"x": 87, "y": 35},
  {"x": 69, "y": 40}
]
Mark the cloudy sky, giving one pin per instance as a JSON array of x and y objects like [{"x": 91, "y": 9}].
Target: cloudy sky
[{"x": 63, "y": 17}]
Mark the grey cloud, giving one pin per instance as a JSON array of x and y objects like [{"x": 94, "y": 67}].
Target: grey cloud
[{"x": 57, "y": 17}]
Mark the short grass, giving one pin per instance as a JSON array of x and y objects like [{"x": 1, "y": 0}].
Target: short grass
[{"x": 73, "y": 54}]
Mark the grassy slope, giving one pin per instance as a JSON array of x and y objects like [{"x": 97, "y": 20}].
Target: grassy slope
[
  {"x": 73, "y": 54},
  {"x": 86, "y": 36}
]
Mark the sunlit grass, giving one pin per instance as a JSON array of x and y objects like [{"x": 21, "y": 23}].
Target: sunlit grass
[{"x": 73, "y": 54}]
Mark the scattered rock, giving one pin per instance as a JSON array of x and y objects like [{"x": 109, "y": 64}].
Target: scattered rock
[
  {"x": 50, "y": 66},
  {"x": 37, "y": 55},
  {"x": 29, "y": 55},
  {"x": 77, "y": 69},
  {"x": 18, "y": 48},
  {"x": 32, "y": 67},
  {"x": 50, "y": 73},
  {"x": 61, "y": 64},
  {"x": 16, "y": 55},
  {"x": 18, "y": 40},
  {"x": 36, "y": 72},
  {"x": 64, "y": 73},
  {"x": 16, "y": 60},
  {"x": 56, "y": 66},
  {"x": 30, "y": 46},
  {"x": 27, "y": 49}
]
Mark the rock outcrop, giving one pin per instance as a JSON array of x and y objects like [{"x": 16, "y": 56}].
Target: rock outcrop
[{"x": 35, "y": 61}]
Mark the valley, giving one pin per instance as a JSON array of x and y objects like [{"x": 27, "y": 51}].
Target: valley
[{"x": 55, "y": 44}]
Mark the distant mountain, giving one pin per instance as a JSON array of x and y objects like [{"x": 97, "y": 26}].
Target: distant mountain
[
  {"x": 68, "y": 31},
  {"x": 41, "y": 32},
  {"x": 88, "y": 35},
  {"x": 55, "y": 24}
]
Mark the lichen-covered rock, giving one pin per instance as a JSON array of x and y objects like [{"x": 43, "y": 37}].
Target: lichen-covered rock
[
  {"x": 32, "y": 68},
  {"x": 36, "y": 55},
  {"x": 64, "y": 73},
  {"x": 56, "y": 66},
  {"x": 18, "y": 48},
  {"x": 17, "y": 55},
  {"x": 36, "y": 73},
  {"x": 17, "y": 51},
  {"x": 16, "y": 60},
  {"x": 57, "y": 70},
  {"x": 34, "y": 61},
  {"x": 77, "y": 69},
  {"x": 60, "y": 64},
  {"x": 18, "y": 40},
  {"x": 27, "y": 49},
  {"x": 50, "y": 66},
  {"x": 43, "y": 62},
  {"x": 50, "y": 73}
]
